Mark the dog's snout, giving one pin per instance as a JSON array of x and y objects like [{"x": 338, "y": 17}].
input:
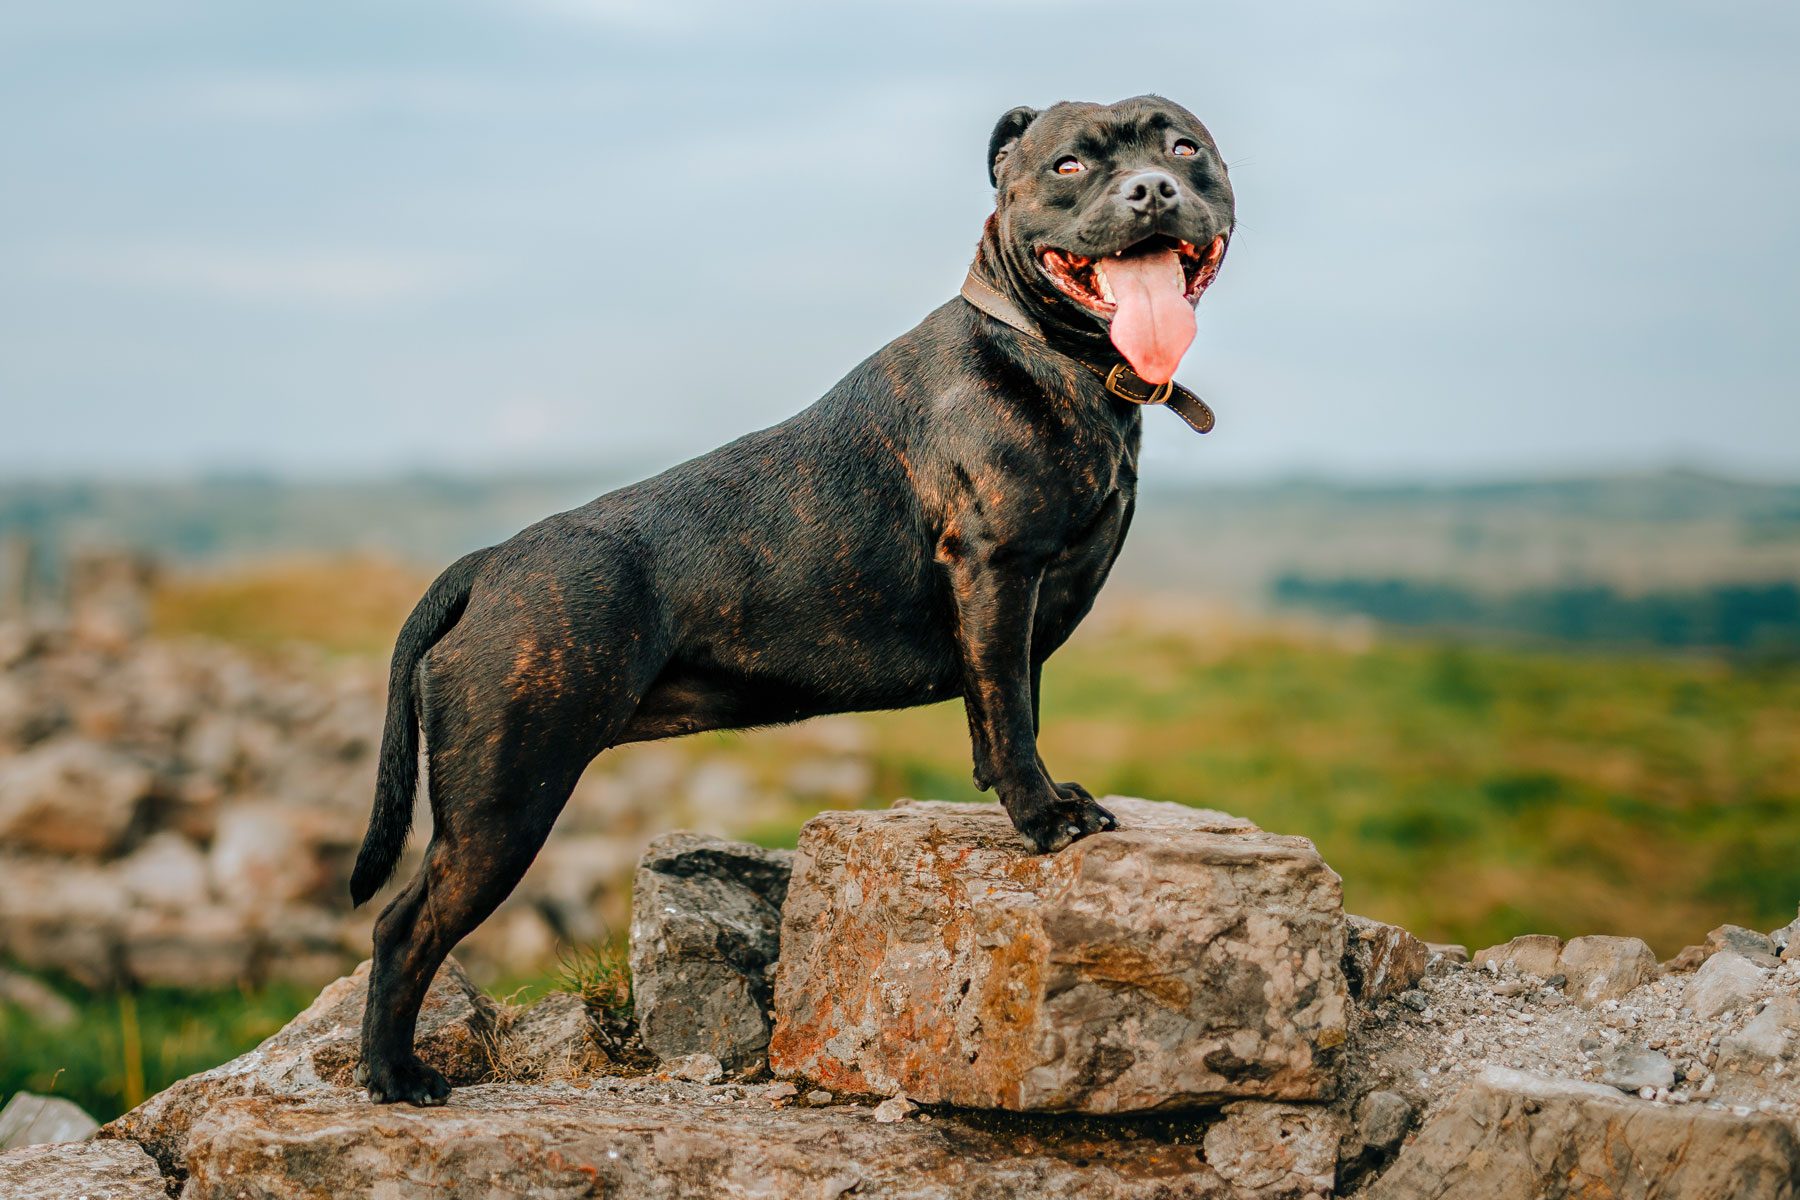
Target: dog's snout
[{"x": 1151, "y": 191}]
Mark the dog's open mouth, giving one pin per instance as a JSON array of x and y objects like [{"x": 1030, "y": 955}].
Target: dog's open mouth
[
  {"x": 1146, "y": 293},
  {"x": 1080, "y": 278}
]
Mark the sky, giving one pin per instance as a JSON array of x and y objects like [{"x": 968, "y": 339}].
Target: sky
[{"x": 356, "y": 238}]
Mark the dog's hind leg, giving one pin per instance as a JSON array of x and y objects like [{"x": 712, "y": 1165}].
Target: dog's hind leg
[
  {"x": 501, "y": 765},
  {"x": 487, "y": 830}
]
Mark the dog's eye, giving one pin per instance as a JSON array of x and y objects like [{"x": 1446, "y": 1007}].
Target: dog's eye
[
  {"x": 1184, "y": 148},
  {"x": 1069, "y": 165}
]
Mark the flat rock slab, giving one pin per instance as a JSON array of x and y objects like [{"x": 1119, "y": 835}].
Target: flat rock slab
[
  {"x": 84, "y": 1170},
  {"x": 648, "y": 1138},
  {"x": 320, "y": 1047},
  {"x": 1513, "y": 1136},
  {"x": 1187, "y": 959}
]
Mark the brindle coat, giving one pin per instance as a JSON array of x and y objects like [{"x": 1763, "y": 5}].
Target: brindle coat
[{"x": 934, "y": 526}]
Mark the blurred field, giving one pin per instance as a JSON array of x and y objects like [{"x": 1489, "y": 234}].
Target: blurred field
[{"x": 1469, "y": 793}]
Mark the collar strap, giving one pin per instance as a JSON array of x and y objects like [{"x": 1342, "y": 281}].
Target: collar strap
[{"x": 1121, "y": 380}]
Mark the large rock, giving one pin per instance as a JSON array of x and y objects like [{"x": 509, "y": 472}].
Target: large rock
[
  {"x": 71, "y": 797},
  {"x": 80, "y": 1171},
  {"x": 1512, "y": 1136},
  {"x": 317, "y": 1050},
  {"x": 166, "y": 872},
  {"x": 1185, "y": 959},
  {"x": 62, "y": 916},
  {"x": 267, "y": 855},
  {"x": 645, "y": 1138},
  {"x": 211, "y": 946},
  {"x": 705, "y": 931}
]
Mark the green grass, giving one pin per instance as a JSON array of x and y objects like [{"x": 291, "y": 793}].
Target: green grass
[{"x": 126, "y": 1046}]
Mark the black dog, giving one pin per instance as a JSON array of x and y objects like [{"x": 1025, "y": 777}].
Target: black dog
[{"x": 935, "y": 526}]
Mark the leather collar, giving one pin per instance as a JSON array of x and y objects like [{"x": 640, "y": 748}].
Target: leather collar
[{"x": 1120, "y": 379}]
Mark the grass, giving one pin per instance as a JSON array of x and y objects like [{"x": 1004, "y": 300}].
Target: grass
[
  {"x": 126, "y": 1046},
  {"x": 602, "y": 978}
]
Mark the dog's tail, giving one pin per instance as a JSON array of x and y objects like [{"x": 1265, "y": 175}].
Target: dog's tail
[{"x": 397, "y": 771}]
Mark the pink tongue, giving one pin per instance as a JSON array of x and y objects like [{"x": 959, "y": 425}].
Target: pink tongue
[{"x": 1154, "y": 323}]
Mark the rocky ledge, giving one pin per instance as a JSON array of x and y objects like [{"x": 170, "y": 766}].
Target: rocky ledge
[{"x": 1180, "y": 1009}]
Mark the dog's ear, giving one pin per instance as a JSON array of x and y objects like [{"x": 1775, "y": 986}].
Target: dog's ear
[{"x": 1006, "y": 136}]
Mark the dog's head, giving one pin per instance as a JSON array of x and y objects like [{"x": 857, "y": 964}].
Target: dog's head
[{"x": 1109, "y": 221}]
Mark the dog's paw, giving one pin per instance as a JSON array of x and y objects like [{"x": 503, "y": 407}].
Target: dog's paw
[
  {"x": 1072, "y": 816},
  {"x": 408, "y": 1081}
]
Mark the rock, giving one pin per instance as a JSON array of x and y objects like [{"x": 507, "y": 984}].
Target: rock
[
  {"x": 1786, "y": 940},
  {"x": 1450, "y": 951},
  {"x": 1534, "y": 953},
  {"x": 1275, "y": 1150},
  {"x": 266, "y": 855},
  {"x": 641, "y": 1137},
  {"x": 581, "y": 882},
  {"x": 210, "y": 947},
  {"x": 1725, "y": 981},
  {"x": 705, "y": 932},
  {"x": 1382, "y": 960},
  {"x": 1686, "y": 962},
  {"x": 71, "y": 797},
  {"x": 166, "y": 872},
  {"x": 894, "y": 1108},
  {"x": 695, "y": 1068},
  {"x": 31, "y": 1120},
  {"x": 1185, "y": 959},
  {"x": 1382, "y": 1119},
  {"x": 551, "y": 1040},
  {"x": 1759, "y": 948},
  {"x": 818, "y": 1098},
  {"x": 80, "y": 1171},
  {"x": 42, "y": 1004},
  {"x": 514, "y": 942},
  {"x": 1773, "y": 1036},
  {"x": 303, "y": 944},
  {"x": 1378, "y": 1125},
  {"x": 1600, "y": 967},
  {"x": 1512, "y": 1136},
  {"x": 64, "y": 917},
  {"x": 316, "y": 1053},
  {"x": 780, "y": 1090},
  {"x": 109, "y": 595},
  {"x": 1631, "y": 1068}
]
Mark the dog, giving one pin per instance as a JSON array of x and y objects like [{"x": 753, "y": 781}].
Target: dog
[{"x": 935, "y": 526}]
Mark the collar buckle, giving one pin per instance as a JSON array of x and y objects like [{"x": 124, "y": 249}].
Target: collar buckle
[{"x": 1120, "y": 379}]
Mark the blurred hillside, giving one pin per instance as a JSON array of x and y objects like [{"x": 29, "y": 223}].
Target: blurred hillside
[{"x": 1675, "y": 559}]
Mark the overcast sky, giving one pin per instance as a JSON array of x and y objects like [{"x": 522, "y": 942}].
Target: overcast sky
[{"x": 353, "y": 237}]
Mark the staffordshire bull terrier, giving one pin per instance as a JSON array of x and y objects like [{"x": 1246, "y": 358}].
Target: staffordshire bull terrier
[{"x": 935, "y": 526}]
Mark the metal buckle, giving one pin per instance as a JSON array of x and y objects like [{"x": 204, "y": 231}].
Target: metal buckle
[{"x": 1158, "y": 395}]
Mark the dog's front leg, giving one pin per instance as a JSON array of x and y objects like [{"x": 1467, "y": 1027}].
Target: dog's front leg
[{"x": 994, "y": 609}]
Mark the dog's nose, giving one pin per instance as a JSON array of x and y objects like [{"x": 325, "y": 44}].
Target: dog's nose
[{"x": 1151, "y": 192}]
